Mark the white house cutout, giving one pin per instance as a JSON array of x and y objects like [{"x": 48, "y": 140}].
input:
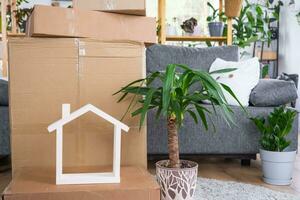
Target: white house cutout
[{"x": 86, "y": 178}]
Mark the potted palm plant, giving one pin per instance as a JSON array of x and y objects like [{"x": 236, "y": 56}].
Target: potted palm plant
[
  {"x": 277, "y": 162},
  {"x": 170, "y": 93}
]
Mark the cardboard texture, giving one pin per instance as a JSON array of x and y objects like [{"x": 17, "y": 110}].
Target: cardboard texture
[
  {"x": 136, "y": 183},
  {"x": 131, "y": 7},
  {"x": 67, "y": 22},
  {"x": 47, "y": 72}
]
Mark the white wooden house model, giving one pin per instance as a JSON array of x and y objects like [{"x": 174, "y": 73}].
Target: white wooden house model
[{"x": 86, "y": 178}]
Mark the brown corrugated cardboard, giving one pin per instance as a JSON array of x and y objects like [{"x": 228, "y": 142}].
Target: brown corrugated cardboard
[
  {"x": 47, "y": 72},
  {"x": 131, "y": 7},
  {"x": 67, "y": 22},
  {"x": 136, "y": 183}
]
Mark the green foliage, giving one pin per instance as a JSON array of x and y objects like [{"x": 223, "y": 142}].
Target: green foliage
[
  {"x": 265, "y": 71},
  {"x": 158, "y": 27},
  {"x": 251, "y": 25},
  {"x": 175, "y": 97},
  {"x": 20, "y": 14},
  {"x": 275, "y": 129},
  {"x": 275, "y": 8}
]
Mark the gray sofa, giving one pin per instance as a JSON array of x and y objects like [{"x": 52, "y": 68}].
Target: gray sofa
[
  {"x": 240, "y": 140},
  {"x": 4, "y": 119}
]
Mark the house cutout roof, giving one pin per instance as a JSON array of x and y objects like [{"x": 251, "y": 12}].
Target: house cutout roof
[{"x": 81, "y": 111}]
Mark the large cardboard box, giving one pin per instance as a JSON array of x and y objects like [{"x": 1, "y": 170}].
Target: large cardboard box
[
  {"x": 131, "y": 7},
  {"x": 48, "y": 21},
  {"x": 136, "y": 183},
  {"x": 47, "y": 72}
]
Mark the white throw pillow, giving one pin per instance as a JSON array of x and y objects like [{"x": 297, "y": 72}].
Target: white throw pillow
[{"x": 241, "y": 81}]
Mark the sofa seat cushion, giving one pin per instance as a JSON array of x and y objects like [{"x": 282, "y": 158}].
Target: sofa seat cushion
[
  {"x": 220, "y": 138},
  {"x": 3, "y": 93},
  {"x": 272, "y": 92}
]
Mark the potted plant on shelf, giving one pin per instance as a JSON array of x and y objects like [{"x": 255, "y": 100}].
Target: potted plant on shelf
[
  {"x": 277, "y": 162},
  {"x": 215, "y": 26},
  {"x": 171, "y": 94}
]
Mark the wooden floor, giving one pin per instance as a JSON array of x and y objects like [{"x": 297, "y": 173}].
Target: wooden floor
[
  {"x": 231, "y": 170},
  {"x": 228, "y": 170}
]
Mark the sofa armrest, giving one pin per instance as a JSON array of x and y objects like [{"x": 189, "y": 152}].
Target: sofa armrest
[
  {"x": 272, "y": 92},
  {"x": 3, "y": 93}
]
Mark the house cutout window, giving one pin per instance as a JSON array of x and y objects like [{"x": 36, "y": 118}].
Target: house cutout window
[{"x": 87, "y": 178}]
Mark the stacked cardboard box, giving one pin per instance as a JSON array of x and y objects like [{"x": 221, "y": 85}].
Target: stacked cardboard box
[
  {"x": 136, "y": 7},
  {"x": 66, "y": 22},
  {"x": 76, "y": 56}
]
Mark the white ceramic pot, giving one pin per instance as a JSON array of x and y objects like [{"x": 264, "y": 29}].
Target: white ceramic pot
[
  {"x": 177, "y": 184},
  {"x": 277, "y": 167}
]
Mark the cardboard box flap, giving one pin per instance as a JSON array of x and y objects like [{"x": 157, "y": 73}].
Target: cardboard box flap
[
  {"x": 63, "y": 18},
  {"x": 136, "y": 183},
  {"x": 131, "y": 7},
  {"x": 68, "y": 22},
  {"x": 120, "y": 49}
]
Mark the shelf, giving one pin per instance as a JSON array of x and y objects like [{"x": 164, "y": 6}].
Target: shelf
[
  {"x": 267, "y": 55},
  {"x": 14, "y": 35},
  {"x": 196, "y": 38}
]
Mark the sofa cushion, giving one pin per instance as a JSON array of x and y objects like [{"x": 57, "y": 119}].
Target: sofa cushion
[
  {"x": 241, "y": 81},
  {"x": 272, "y": 92},
  {"x": 4, "y": 131},
  {"x": 3, "y": 93},
  {"x": 159, "y": 56}
]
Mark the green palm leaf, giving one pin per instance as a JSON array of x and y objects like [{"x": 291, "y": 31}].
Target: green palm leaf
[{"x": 175, "y": 96}]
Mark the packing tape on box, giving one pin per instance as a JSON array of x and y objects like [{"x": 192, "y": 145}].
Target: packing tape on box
[
  {"x": 72, "y": 18},
  {"x": 82, "y": 49}
]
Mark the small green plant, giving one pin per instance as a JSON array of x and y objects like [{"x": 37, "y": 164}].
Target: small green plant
[
  {"x": 174, "y": 98},
  {"x": 215, "y": 15},
  {"x": 275, "y": 129}
]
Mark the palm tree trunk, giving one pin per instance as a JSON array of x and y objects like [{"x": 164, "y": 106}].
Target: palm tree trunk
[{"x": 173, "y": 143}]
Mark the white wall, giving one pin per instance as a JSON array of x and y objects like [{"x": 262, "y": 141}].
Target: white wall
[{"x": 289, "y": 45}]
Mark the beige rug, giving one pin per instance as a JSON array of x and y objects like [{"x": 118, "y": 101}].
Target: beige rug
[{"x": 210, "y": 189}]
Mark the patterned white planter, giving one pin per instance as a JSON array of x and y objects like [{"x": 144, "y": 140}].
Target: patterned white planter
[{"x": 177, "y": 184}]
